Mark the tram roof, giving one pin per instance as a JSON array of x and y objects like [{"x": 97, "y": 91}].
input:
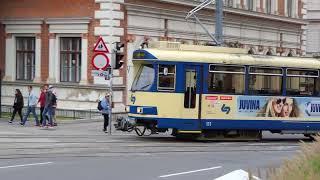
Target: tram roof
[{"x": 227, "y": 57}]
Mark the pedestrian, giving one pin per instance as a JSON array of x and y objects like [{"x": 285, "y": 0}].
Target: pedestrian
[
  {"x": 42, "y": 101},
  {"x": 17, "y": 105},
  {"x": 54, "y": 107},
  {"x": 104, "y": 107},
  {"x": 48, "y": 108},
  {"x": 32, "y": 103}
]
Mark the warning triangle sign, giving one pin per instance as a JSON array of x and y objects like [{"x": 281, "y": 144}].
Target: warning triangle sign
[{"x": 101, "y": 46}]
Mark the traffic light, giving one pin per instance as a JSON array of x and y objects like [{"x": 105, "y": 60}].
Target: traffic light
[{"x": 119, "y": 53}]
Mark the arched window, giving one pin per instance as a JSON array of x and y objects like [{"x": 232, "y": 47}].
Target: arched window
[{"x": 269, "y": 53}]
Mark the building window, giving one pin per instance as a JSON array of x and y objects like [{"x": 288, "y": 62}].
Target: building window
[
  {"x": 289, "y": 7},
  {"x": 268, "y": 6},
  {"x": 25, "y": 58},
  {"x": 229, "y": 3},
  {"x": 250, "y": 5},
  {"x": 70, "y": 59}
]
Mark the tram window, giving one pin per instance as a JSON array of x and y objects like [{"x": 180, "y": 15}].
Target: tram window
[
  {"x": 166, "y": 75},
  {"x": 190, "y": 90},
  {"x": 226, "y": 79},
  {"x": 265, "y": 81},
  {"x": 301, "y": 82},
  {"x": 144, "y": 79}
]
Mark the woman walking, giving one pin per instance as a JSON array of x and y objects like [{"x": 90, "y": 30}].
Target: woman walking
[
  {"x": 42, "y": 101},
  {"x": 17, "y": 105}
]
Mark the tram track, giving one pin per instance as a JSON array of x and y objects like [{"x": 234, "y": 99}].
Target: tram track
[{"x": 125, "y": 153}]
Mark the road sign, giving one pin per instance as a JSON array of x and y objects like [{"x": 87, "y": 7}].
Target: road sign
[
  {"x": 100, "y": 61},
  {"x": 101, "y": 46},
  {"x": 99, "y": 73}
]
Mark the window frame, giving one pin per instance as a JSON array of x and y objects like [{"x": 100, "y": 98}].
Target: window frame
[
  {"x": 301, "y": 69},
  {"x": 158, "y": 78},
  {"x": 192, "y": 96},
  {"x": 315, "y": 78},
  {"x": 135, "y": 80},
  {"x": 71, "y": 52},
  {"x": 228, "y": 72},
  {"x": 24, "y": 52},
  {"x": 250, "y": 5},
  {"x": 290, "y": 8},
  {"x": 229, "y": 3},
  {"x": 268, "y": 8},
  {"x": 266, "y": 74}
]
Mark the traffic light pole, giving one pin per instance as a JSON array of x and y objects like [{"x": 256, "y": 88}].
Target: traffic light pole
[
  {"x": 111, "y": 91},
  {"x": 111, "y": 75}
]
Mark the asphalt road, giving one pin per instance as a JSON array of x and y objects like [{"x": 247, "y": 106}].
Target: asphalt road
[{"x": 81, "y": 151}]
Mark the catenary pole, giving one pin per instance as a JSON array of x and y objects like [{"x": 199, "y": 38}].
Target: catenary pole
[{"x": 219, "y": 22}]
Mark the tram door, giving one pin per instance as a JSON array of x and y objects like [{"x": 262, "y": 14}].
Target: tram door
[{"x": 191, "y": 92}]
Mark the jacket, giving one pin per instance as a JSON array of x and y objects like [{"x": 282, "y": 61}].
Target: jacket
[
  {"x": 49, "y": 99},
  {"x": 105, "y": 106},
  {"x": 18, "y": 102},
  {"x": 32, "y": 99},
  {"x": 42, "y": 99}
]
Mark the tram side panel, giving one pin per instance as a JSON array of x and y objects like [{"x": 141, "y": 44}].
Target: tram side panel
[
  {"x": 165, "y": 108},
  {"x": 228, "y": 112}
]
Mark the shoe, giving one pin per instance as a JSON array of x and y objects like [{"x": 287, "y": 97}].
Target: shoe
[
  {"x": 10, "y": 122},
  {"x": 55, "y": 124},
  {"x": 21, "y": 124}
]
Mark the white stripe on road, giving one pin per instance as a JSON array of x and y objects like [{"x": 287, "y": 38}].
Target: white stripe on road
[
  {"x": 189, "y": 172},
  {"x": 24, "y": 165}
]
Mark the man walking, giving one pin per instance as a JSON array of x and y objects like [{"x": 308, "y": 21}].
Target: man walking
[
  {"x": 48, "y": 107},
  {"x": 31, "y": 108}
]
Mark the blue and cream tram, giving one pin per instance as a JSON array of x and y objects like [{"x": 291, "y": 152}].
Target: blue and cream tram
[{"x": 215, "y": 91}]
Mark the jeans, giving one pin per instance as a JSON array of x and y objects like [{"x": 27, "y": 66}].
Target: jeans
[
  {"x": 41, "y": 111},
  {"x": 15, "y": 110},
  {"x": 47, "y": 110},
  {"x": 31, "y": 109},
  {"x": 106, "y": 121}
]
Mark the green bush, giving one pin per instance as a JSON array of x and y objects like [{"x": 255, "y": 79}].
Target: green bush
[{"x": 305, "y": 166}]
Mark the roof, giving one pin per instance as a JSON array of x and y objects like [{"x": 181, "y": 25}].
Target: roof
[{"x": 226, "y": 57}]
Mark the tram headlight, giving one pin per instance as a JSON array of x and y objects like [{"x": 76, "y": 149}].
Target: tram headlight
[
  {"x": 140, "y": 110},
  {"x": 127, "y": 109}
]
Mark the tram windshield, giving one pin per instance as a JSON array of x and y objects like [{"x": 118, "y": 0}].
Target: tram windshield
[{"x": 144, "y": 78}]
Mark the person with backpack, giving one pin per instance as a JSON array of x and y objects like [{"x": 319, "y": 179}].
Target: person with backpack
[
  {"x": 104, "y": 108},
  {"x": 17, "y": 106},
  {"x": 48, "y": 108}
]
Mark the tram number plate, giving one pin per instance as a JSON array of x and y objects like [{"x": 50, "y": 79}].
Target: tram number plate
[{"x": 208, "y": 123}]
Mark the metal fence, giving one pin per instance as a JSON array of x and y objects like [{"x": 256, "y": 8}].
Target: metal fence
[{"x": 68, "y": 113}]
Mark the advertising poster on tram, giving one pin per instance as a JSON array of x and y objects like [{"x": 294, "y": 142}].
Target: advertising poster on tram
[{"x": 280, "y": 107}]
